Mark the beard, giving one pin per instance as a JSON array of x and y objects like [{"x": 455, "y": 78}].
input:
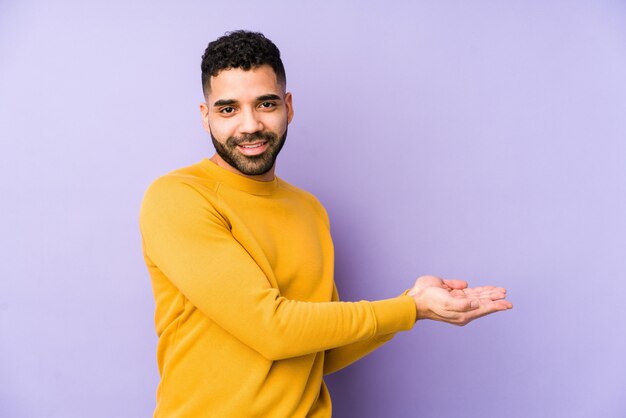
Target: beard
[{"x": 251, "y": 165}]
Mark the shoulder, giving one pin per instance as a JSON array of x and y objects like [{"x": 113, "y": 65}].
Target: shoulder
[
  {"x": 299, "y": 193},
  {"x": 184, "y": 190},
  {"x": 182, "y": 181},
  {"x": 309, "y": 198}
]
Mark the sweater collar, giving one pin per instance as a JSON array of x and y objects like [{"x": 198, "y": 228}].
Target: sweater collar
[{"x": 237, "y": 181}]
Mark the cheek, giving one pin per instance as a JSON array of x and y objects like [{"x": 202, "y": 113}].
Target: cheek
[
  {"x": 220, "y": 128},
  {"x": 277, "y": 124}
]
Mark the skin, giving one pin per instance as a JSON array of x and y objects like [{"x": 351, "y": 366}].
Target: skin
[
  {"x": 242, "y": 103},
  {"x": 452, "y": 301}
]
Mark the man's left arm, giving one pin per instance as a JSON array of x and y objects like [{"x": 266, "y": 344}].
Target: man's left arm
[
  {"x": 450, "y": 301},
  {"x": 337, "y": 358}
]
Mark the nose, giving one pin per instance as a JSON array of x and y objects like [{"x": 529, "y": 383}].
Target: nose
[{"x": 250, "y": 122}]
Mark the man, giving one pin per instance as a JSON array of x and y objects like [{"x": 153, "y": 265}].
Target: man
[{"x": 241, "y": 263}]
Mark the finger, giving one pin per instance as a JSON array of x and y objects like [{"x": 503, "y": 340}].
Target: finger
[
  {"x": 495, "y": 295},
  {"x": 495, "y": 305},
  {"x": 487, "y": 307},
  {"x": 490, "y": 295},
  {"x": 428, "y": 281},
  {"x": 455, "y": 284},
  {"x": 503, "y": 305},
  {"x": 484, "y": 292},
  {"x": 483, "y": 289}
]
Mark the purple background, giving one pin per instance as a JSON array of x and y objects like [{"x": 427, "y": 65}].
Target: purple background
[{"x": 477, "y": 140}]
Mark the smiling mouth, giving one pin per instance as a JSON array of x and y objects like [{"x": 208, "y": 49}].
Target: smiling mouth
[
  {"x": 253, "y": 149},
  {"x": 252, "y": 146}
]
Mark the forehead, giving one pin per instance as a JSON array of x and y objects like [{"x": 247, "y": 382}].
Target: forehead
[{"x": 239, "y": 84}]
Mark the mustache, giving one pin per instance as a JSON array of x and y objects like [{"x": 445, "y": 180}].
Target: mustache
[{"x": 233, "y": 141}]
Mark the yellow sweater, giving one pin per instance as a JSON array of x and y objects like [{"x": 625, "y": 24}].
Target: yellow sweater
[{"x": 247, "y": 313}]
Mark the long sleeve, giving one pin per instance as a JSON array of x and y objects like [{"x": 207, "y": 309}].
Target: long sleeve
[
  {"x": 336, "y": 359},
  {"x": 188, "y": 240}
]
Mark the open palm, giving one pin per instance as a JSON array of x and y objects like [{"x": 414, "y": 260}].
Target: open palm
[{"x": 454, "y": 302}]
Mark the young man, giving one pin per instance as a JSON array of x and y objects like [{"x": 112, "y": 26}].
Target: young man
[{"x": 241, "y": 263}]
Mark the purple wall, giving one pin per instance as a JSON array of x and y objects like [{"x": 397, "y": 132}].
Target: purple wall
[{"x": 472, "y": 140}]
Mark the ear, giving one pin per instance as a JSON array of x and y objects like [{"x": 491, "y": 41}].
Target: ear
[
  {"x": 289, "y": 104},
  {"x": 204, "y": 111}
]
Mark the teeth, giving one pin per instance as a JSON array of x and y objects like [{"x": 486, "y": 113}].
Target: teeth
[{"x": 252, "y": 146}]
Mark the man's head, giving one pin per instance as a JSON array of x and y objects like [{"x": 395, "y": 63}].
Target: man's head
[
  {"x": 240, "y": 49},
  {"x": 247, "y": 109}
]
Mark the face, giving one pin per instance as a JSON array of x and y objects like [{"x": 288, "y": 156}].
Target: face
[{"x": 246, "y": 114}]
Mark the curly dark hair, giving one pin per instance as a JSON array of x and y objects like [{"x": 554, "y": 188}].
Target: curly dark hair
[{"x": 240, "y": 49}]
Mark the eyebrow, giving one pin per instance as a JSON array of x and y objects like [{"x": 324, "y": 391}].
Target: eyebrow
[
  {"x": 225, "y": 102},
  {"x": 230, "y": 102},
  {"x": 268, "y": 97}
]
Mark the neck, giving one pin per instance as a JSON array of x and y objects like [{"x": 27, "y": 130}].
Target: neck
[{"x": 269, "y": 176}]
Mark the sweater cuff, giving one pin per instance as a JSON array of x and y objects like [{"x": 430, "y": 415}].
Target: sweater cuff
[{"x": 393, "y": 315}]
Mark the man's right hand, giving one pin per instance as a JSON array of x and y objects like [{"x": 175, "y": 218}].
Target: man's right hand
[{"x": 452, "y": 301}]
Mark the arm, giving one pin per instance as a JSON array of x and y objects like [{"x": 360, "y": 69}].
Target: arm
[
  {"x": 450, "y": 301},
  {"x": 337, "y": 358},
  {"x": 192, "y": 245}
]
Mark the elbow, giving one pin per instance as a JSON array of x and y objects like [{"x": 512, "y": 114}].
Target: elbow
[
  {"x": 282, "y": 333},
  {"x": 277, "y": 336},
  {"x": 274, "y": 349},
  {"x": 279, "y": 343}
]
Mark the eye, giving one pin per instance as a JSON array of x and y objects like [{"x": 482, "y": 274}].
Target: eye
[
  {"x": 267, "y": 105},
  {"x": 227, "y": 110}
]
